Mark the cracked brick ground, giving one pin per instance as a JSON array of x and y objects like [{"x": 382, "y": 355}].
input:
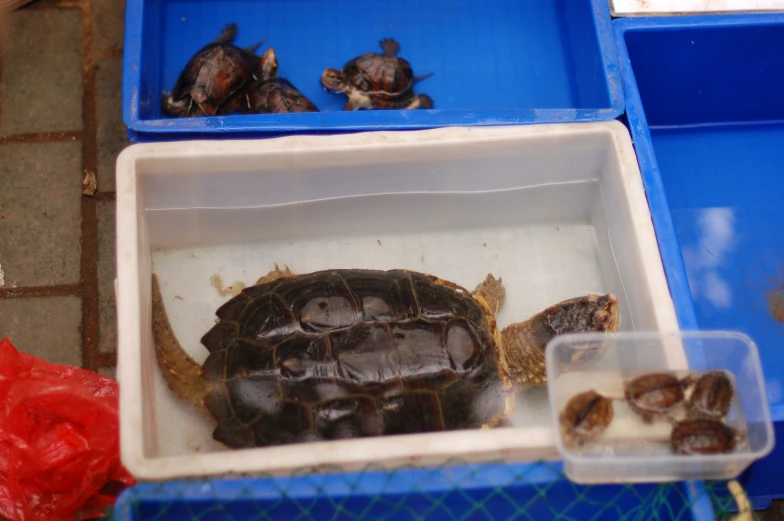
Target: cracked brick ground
[{"x": 60, "y": 117}]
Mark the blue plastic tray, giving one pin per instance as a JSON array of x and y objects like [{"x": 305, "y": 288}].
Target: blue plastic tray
[
  {"x": 464, "y": 492},
  {"x": 705, "y": 108},
  {"x": 493, "y": 61}
]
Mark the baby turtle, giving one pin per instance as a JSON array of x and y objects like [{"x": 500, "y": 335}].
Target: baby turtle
[
  {"x": 712, "y": 396},
  {"x": 703, "y": 436},
  {"x": 272, "y": 94},
  {"x": 377, "y": 81},
  {"x": 586, "y": 415},
  {"x": 212, "y": 82},
  {"x": 654, "y": 394},
  {"x": 352, "y": 353}
]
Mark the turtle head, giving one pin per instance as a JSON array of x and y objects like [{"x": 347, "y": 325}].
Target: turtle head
[
  {"x": 591, "y": 313},
  {"x": 334, "y": 80},
  {"x": 178, "y": 109},
  {"x": 524, "y": 343},
  {"x": 269, "y": 65},
  {"x": 588, "y": 314}
]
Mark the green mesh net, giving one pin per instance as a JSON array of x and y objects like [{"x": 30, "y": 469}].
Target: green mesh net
[{"x": 453, "y": 492}]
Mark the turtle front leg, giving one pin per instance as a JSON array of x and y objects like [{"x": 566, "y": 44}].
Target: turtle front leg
[
  {"x": 358, "y": 101},
  {"x": 275, "y": 274},
  {"x": 492, "y": 291}
]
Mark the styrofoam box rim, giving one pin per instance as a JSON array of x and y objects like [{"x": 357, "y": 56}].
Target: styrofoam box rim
[
  {"x": 632, "y": 8},
  {"x": 428, "y": 448}
]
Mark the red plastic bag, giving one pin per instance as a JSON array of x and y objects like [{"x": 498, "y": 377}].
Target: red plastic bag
[{"x": 59, "y": 440}]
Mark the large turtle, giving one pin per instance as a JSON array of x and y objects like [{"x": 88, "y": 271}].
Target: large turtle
[
  {"x": 352, "y": 353},
  {"x": 377, "y": 81},
  {"x": 213, "y": 80},
  {"x": 271, "y": 94}
]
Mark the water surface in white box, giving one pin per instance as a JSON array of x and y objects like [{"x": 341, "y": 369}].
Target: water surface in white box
[{"x": 546, "y": 244}]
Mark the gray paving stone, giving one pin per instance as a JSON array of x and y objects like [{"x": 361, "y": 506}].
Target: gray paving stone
[
  {"x": 111, "y": 136},
  {"x": 42, "y": 71},
  {"x": 108, "y": 25},
  {"x": 48, "y": 327},
  {"x": 108, "y": 372},
  {"x": 107, "y": 309},
  {"x": 40, "y": 213}
]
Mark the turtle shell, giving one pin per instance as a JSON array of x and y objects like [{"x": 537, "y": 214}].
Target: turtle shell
[
  {"x": 379, "y": 75},
  {"x": 654, "y": 394},
  {"x": 278, "y": 96},
  {"x": 703, "y": 436},
  {"x": 350, "y": 353},
  {"x": 215, "y": 75}
]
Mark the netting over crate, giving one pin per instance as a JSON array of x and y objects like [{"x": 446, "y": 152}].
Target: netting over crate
[{"x": 455, "y": 491}]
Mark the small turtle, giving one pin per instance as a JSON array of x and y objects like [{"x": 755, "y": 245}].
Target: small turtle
[
  {"x": 586, "y": 415},
  {"x": 654, "y": 394},
  {"x": 273, "y": 94},
  {"x": 377, "y": 81},
  {"x": 712, "y": 395},
  {"x": 213, "y": 80},
  {"x": 703, "y": 436},
  {"x": 352, "y": 353}
]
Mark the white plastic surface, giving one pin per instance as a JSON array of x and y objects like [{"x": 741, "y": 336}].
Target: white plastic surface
[
  {"x": 555, "y": 210},
  {"x": 633, "y": 451},
  {"x": 682, "y": 7}
]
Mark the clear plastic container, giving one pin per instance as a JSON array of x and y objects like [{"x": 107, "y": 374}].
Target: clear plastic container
[{"x": 631, "y": 450}]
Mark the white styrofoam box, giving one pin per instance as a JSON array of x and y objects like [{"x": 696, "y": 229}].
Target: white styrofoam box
[
  {"x": 682, "y": 7},
  {"x": 555, "y": 210}
]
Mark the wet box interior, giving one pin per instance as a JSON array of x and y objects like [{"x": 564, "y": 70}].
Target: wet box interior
[{"x": 555, "y": 210}]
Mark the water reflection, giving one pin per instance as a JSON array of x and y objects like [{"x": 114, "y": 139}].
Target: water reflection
[{"x": 716, "y": 239}]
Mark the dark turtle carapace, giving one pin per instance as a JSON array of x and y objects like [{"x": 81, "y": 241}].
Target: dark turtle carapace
[
  {"x": 585, "y": 416},
  {"x": 377, "y": 81},
  {"x": 654, "y": 394},
  {"x": 351, "y": 353},
  {"x": 703, "y": 436},
  {"x": 712, "y": 395},
  {"x": 271, "y": 94},
  {"x": 213, "y": 81}
]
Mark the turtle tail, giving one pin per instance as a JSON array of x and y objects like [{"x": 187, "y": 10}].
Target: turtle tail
[
  {"x": 417, "y": 79},
  {"x": 181, "y": 372}
]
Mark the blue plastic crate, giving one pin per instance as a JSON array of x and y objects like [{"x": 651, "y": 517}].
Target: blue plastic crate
[
  {"x": 494, "y": 62},
  {"x": 705, "y": 109},
  {"x": 466, "y": 492}
]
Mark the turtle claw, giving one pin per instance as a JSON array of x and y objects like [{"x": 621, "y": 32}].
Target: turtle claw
[{"x": 275, "y": 274}]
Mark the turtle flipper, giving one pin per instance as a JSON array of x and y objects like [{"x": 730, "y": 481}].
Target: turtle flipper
[
  {"x": 228, "y": 34},
  {"x": 523, "y": 343},
  {"x": 181, "y": 372}
]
